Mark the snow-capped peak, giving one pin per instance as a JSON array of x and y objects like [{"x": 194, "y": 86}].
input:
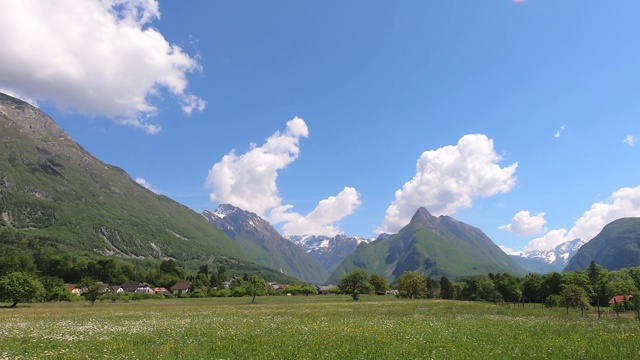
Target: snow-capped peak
[{"x": 561, "y": 253}]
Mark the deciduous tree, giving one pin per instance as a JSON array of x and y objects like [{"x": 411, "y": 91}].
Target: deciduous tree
[
  {"x": 411, "y": 284},
  {"x": 19, "y": 287},
  {"x": 256, "y": 286},
  {"x": 574, "y": 296},
  {"x": 379, "y": 283},
  {"x": 355, "y": 283}
]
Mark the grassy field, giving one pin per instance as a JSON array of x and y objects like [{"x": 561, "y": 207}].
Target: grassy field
[{"x": 316, "y": 327}]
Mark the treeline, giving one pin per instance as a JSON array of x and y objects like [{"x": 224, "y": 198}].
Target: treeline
[
  {"x": 25, "y": 279},
  {"x": 594, "y": 286}
]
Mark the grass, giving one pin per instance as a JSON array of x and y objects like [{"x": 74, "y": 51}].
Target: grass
[{"x": 317, "y": 327}]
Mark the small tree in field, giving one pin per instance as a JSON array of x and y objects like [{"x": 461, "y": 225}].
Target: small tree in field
[
  {"x": 355, "y": 283},
  {"x": 379, "y": 283},
  {"x": 91, "y": 289},
  {"x": 412, "y": 285},
  {"x": 20, "y": 287},
  {"x": 574, "y": 296},
  {"x": 256, "y": 286}
]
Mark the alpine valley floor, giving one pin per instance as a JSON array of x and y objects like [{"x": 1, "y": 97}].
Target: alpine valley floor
[{"x": 310, "y": 327}]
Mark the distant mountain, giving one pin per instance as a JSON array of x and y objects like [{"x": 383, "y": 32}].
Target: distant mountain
[
  {"x": 616, "y": 246},
  {"x": 434, "y": 246},
  {"x": 546, "y": 261},
  {"x": 262, "y": 242},
  {"x": 56, "y": 197},
  {"x": 329, "y": 251}
]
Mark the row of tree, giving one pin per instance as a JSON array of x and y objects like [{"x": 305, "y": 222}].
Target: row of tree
[{"x": 593, "y": 286}]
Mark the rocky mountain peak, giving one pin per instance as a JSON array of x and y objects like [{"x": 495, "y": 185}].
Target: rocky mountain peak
[{"x": 422, "y": 214}]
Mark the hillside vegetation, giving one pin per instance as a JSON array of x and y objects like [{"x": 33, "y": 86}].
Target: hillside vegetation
[
  {"x": 56, "y": 197},
  {"x": 431, "y": 246}
]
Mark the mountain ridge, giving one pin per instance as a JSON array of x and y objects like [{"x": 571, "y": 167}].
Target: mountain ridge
[
  {"x": 264, "y": 244},
  {"x": 546, "y": 261},
  {"x": 432, "y": 246},
  {"x": 616, "y": 246},
  {"x": 63, "y": 199},
  {"x": 329, "y": 251}
]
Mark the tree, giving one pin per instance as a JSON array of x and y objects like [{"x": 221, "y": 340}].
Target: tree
[
  {"x": 171, "y": 267},
  {"x": 574, "y": 296},
  {"x": 379, "y": 283},
  {"x": 433, "y": 288},
  {"x": 532, "y": 287},
  {"x": 54, "y": 289},
  {"x": 598, "y": 276},
  {"x": 200, "y": 280},
  {"x": 446, "y": 288},
  {"x": 355, "y": 283},
  {"x": 256, "y": 286},
  {"x": 411, "y": 284},
  {"x": 551, "y": 284},
  {"x": 18, "y": 287},
  {"x": 91, "y": 289}
]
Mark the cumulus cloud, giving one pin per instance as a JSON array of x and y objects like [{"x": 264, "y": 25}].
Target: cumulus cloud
[
  {"x": 95, "y": 57},
  {"x": 524, "y": 224},
  {"x": 321, "y": 220},
  {"x": 248, "y": 181},
  {"x": 559, "y": 132},
  {"x": 448, "y": 179},
  {"x": 146, "y": 184},
  {"x": 630, "y": 139},
  {"x": 624, "y": 202}
]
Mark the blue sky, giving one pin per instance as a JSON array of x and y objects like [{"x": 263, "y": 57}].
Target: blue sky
[{"x": 518, "y": 117}]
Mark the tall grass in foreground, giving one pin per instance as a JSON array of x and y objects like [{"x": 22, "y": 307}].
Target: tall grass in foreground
[{"x": 318, "y": 327}]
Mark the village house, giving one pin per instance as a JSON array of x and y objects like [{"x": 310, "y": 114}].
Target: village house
[
  {"x": 73, "y": 289},
  {"x": 181, "y": 287},
  {"x": 324, "y": 289},
  {"x": 161, "y": 291}
]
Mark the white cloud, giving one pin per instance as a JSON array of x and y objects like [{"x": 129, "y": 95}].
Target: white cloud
[
  {"x": 96, "y": 57},
  {"x": 524, "y": 224},
  {"x": 630, "y": 139},
  {"x": 146, "y": 184},
  {"x": 321, "y": 220},
  {"x": 448, "y": 179},
  {"x": 624, "y": 202},
  {"x": 559, "y": 132},
  {"x": 248, "y": 181}
]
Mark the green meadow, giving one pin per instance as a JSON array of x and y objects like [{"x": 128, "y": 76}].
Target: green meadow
[{"x": 314, "y": 327}]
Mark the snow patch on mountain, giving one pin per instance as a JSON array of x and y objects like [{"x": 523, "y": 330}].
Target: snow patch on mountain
[
  {"x": 544, "y": 261},
  {"x": 330, "y": 251}
]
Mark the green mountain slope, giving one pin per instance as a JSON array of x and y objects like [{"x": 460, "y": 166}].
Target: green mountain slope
[
  {"x": 432, "y": 246},
  {"x": 616, "y": 246},
  {"x": 54, "y": 196},
  {"x": 262, "y": 242}
]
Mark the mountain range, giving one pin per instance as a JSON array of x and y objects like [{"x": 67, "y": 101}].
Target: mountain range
[
  {"x": 57, "y": 198},
  {"x": 264, "y": 244},
  {"x": 546, "y": 261},
  {"x": 434, "y": 246},
  {"x": 329, "y": 251},
  {"x": 616, "y": 246}
]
